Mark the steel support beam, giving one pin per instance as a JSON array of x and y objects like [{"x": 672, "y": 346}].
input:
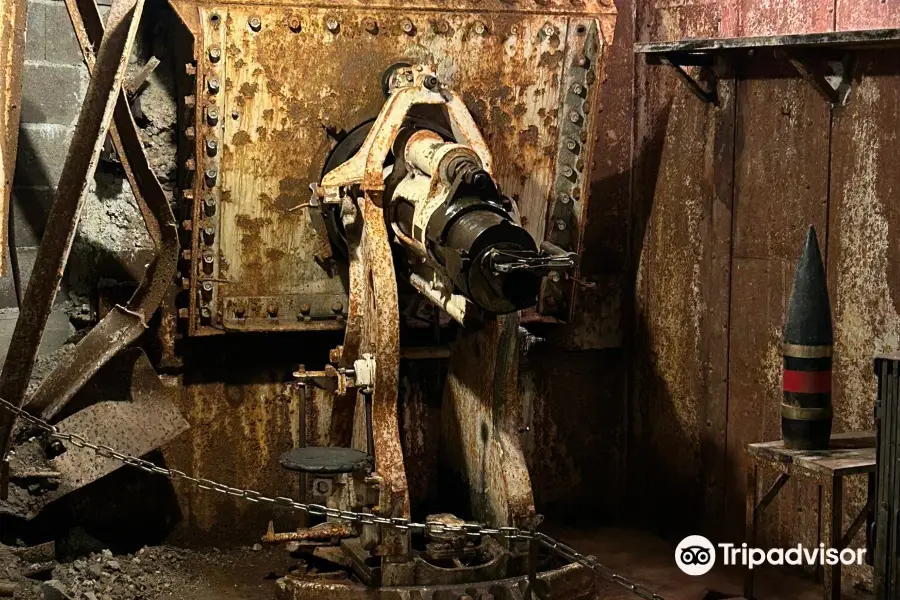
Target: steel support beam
[{"x": 78, "y": 170}]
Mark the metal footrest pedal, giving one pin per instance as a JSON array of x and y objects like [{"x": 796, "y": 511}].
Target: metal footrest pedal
[{"x": 327, "y": 460}]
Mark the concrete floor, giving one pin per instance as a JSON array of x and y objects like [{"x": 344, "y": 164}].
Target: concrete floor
[
  {"x": 639, "y": 556},
  {"x": 650, "y": 561}
]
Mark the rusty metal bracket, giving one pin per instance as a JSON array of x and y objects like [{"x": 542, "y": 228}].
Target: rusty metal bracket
[
  {"x": 704, "y": 89},
  {"x": 78, "y": 170},
  {"x": 826, "y": 60},
  {"x": 831, "y": 74}
]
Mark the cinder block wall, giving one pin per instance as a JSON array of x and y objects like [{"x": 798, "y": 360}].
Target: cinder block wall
[
  {"x": 55, "y": 80},
  {"x": 54, "y": 83}
]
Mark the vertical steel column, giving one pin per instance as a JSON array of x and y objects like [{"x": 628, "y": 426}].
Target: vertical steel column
[{"x": 12, "y": 57}]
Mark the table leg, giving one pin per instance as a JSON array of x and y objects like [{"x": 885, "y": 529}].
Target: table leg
[
  {"x": 833, "y": 525},
  {"x": 750, "y": 525}
]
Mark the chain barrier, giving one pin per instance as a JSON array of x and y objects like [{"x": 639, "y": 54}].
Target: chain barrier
[{"x": 317, "y": 510}]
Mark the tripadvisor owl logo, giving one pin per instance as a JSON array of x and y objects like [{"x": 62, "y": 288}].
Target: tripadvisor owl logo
[{"x": 695, "y": 555}]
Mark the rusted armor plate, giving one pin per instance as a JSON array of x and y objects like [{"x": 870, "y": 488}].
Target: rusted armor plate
[{"x": 278, "y": 118}]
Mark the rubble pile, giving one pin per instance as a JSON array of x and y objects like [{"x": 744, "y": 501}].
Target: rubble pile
[{"x": 151, "y": 573}]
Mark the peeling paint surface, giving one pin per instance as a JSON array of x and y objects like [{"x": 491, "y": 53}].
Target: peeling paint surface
[
  {"x": 779, "y": 17},
  {"x": 863, "y": 261},
  {"x": 866, "y": 14}
]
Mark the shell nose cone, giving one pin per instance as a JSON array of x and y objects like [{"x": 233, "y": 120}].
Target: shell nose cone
[{"x": 808, "y": 319}]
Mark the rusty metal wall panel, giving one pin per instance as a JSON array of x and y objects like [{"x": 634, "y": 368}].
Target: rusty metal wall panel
[
  {"x": 679, "y": 19},
  {"x": 421, "y": 391},
  {"x": 682, "y": 237},
  {"x": 866, "y": 14},
  {"x": 782, "y": 17},
  {"x": 265, "y": 246},
  {"x": 274, "y": 128},
  {"x": 12, "y": 56},
  {"x": 781, "y": 187},
  {"x": 760, "y": 292},
  {"x": 577, "y": 438},
  {"x": 605, "y": 240},
  {"x": 782, "y": 168},
  {"x": 243, "y": 417},
  {"x": 680, "y": 240},
  {"x": 863, "y": 262},
  {"x": 666, "y": 20}
]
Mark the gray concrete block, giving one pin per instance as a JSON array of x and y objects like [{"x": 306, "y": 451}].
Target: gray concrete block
[
  {"x": 52, "y": 93},
  {"x": 35, "y": 33},
  {"x": 42, "y": 152},
  {"x": 8, "y": 296},
  {"x": 25, "y": 259},
  {"x": 62, "y": 45},
  {"x": 28, "y": 210}
]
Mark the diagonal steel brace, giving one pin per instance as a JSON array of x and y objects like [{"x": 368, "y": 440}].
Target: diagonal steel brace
[
  {"x": 88, "y": 26},
  {"x": 122, "y": 325}
]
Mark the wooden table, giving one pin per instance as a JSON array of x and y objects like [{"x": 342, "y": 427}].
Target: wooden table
[{"x": 850, "y": 454}]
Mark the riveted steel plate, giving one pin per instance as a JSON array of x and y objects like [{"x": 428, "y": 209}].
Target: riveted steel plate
[{"x": 287, "y": 81}]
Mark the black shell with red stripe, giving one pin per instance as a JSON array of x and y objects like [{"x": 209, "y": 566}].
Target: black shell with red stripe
[{"x": 808, "y": 336}]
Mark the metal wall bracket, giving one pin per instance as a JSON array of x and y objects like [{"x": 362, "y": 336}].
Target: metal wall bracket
[
  {"x": 826, "y": 60},
  {"x": 704, "y": 87},
  {"x": 831, "y": 74}
]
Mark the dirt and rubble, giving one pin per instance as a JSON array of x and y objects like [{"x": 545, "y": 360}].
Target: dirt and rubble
[
  {"x": 243, "y": 573},
  {"x": 111, "y": 223}
]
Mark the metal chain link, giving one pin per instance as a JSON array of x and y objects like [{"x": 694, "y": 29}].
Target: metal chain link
[{"x": 470, "y": 529}]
